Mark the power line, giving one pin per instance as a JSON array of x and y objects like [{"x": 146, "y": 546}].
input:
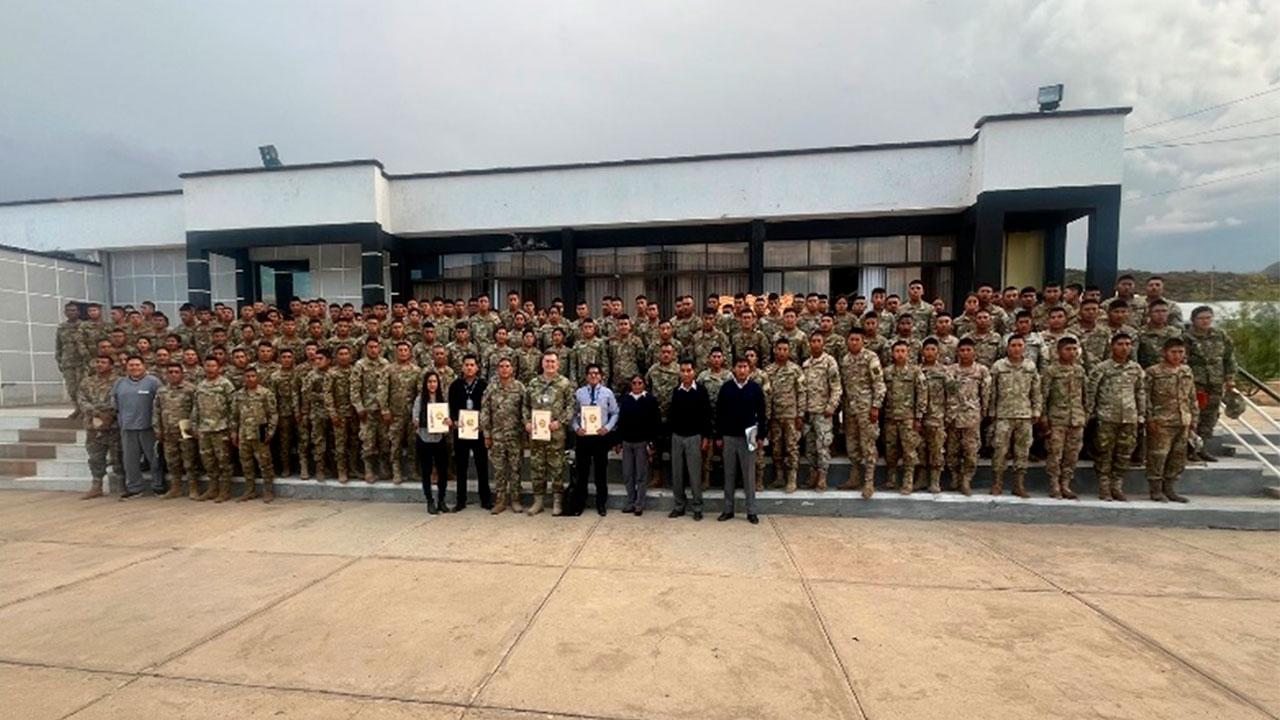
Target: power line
[
  {"x": 1220, "y": 129},
  {"x": 1207, "y": 182},
  {"x": 1205, "y": 110},
  {"x": 1200, "y": 142}
]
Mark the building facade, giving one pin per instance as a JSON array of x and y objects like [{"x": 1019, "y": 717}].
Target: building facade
[{"x": 992, "y": 207}]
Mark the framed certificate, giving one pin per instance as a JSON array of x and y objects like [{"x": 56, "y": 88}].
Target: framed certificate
[
  {"x": 541, "y": 425},
  {"x": 437, "y": 413},
  {"x": 468, "y": 424},
  {"x": 592, "y": 419}
]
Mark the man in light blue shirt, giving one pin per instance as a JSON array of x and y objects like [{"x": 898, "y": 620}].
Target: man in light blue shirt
[
  {"x": 592, "y": 447},
  {"x": 133, "y": 398}
]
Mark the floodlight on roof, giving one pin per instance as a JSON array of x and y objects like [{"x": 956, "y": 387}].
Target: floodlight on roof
[
  {"x": 270, "y": 158},
  {"x": 1049, "y": 97}
]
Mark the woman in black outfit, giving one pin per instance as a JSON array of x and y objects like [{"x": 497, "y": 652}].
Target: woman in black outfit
[{"x": 432, "y": 449}]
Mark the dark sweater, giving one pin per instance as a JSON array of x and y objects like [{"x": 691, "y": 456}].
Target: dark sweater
[
  {"x": 639, "y": 421},
  {"x": 690, "y": 412},
  {"x": 739, "y": 408},
  {"x": 458, "y": 396}
]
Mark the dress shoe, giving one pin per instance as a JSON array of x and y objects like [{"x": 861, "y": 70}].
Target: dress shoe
[
  {"x": 697, "y": 515},
  {"x": 724, "y": 516},
  {"x": 675, "y": 514},
  {"x": 753, "y": 519}
]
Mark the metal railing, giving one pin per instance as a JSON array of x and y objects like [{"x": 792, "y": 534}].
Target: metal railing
[{"x": 1257, "y": 436}]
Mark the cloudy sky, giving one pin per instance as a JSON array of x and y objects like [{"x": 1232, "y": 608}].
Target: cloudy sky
[{"x": 122, "y": 96}]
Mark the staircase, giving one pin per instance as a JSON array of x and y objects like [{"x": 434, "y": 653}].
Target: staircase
[{"x": 42, "y": 450}]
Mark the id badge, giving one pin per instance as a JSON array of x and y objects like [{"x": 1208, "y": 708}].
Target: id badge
[{"x": 469, "y": 404}]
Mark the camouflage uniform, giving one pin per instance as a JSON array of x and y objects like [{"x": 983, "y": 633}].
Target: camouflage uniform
[
  {"x": 798, "y": 340},
  {"x": 1150, "y": 344},
  {"x": 565, "y": 355},
  {"x": 89, "y": 332},
  {"x": 211, "y": 417},
  {"x": 284, "y": 384},
  {"x": 337, "y": 400},
  {"x": 821, "y": 400},
  {"x": 740, "y": 340},
  {"x": 66, "y": 352},
  {"x": 495, "y": 355},
  {"x": 546, "y": 458},
  {"x": 933, "y": 430},
  {"x": 786, "y": 404},
  {"x": 1015, "y": 400},
  {"x": 904, "y": 404},
  {"x": 968, "y": 402},
  {"x": 685, "y": 328},
  {"x": 1095, "y": 344},
  {"x": 545, "y": 334},
  {"x": 712, "y": 382},
  {"x": 369, "y": 396},
  {"x": 702, "y": 343},
  {"x": 626, "y": 357},
  {"x": 1116, "y": 396},
  {"x": 864, "y": 389},
  {"x": 766, "y": 386},
  {"x": 1049, "y": 349},
  {"x": 254, "y": 415},
  {"x": 654, "y": 349},
  {"x": 947, "y": 349},
  {"x": 312, "y": 391},
  {"x": 1062, "y": 390},
  {"x": 404, "y": 384},
  {"x": 986, "y": 348},
  {"x": 1172, "y": 411},
  {"x": 1212, "y": 360},
  {"x": 93, "y": 399},
  {"x": 922, "y": 314},
  {"x": 422, "y": 351},
  {"x": 662, "y": 381},
  {"x": 482, "y": 327},
  {"x": 459, "y": 350},
  {"x": 528, "y": 363},
  {"x": 913, "y": 350},
  {"x": 587, "y": 352},
  {"x": 173, "y": 404},
  {"x": 963, "y": 324},
  {"x": 502, "y": 422}
]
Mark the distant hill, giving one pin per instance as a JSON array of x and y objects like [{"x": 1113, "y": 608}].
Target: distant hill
[{"x": 1199, "y": 284}]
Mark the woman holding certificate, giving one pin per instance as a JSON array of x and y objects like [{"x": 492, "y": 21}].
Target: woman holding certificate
[
  {"x": 431, "y": 420},
  {"x": 464, "y": 409},
  {"x": 597, "y": 413}
]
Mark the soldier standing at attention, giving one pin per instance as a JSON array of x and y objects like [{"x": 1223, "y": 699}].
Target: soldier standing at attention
[
  {"x": 587, "y": 351},
  {"x": 66, "y": 352},
  {"x": 369, "y": 398},
  {"x": 285, "y": 383},
  {"x": 501, "y": 418},
  {"x": 1095, "y": 339},
  {"x": 174, "y": 402},
  {"x": 947, "y": 340},
  {"x": 821, "y": 399},
  {"x": 528, "y": 357},
  {"x": 933, "y": 432},
  {"x": 921, "y": 312},
  {"x": 1155, "y": 334},
  {"x": 1062, "y": 387},
  {"x": 1116, "y": 397},
  {"x": 254, "y": 417},
  {"x": 565, "y": 354},
  {"x": 337, "y": 401},
  {"x": 102, "y": 437},
  {"x": 747, "y": 336},
  {"x": 986, "y": 343},
  {"x": 404, "y": 382},
  {"x": 662, "y": 379},
  {"x": 762, "y": 379},
  {"x": 712, "y": 378},
  {"x": 211, "y": 424},
  {"x": 553, "y": 392},
  {"x": 872, "y": 341},
  {"x": 968, "y": 400},
  {"x": 904, "y": 407},
  {"x": 798, "y": 340},
  {"x": 1015, "y": 406},
  {"x": 1171, "y": 417},
  {"x": 1212, "y": 359},
  {"x": 315, "y": 414},
  {"x": 864, "y": 391},
  {"x": 706, "y": 339},
  {"x": 501, "y": 349},
  {"x": 785, "y": 405}
]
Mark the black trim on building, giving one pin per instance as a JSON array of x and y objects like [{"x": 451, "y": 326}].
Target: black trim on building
[
  {"x": 281, "y": 168},
  {"x": 1083, "y": 112}
]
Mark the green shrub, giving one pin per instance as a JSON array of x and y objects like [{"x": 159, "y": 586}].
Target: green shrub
[{"x": 1255, "y": 331}]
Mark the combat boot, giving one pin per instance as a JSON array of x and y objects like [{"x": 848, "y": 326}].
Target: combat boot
[
  {"x": 516, "y": 507},
  {"x": 1065, "y": 485},
  {"x": 396, "y": 476},
  {"x": 250, "y": 490},
  {"x": 95, "y": 490},
  {"x": 1104, "y": 489},
  {"x": 499, "y": 504},
  {"x": 997, "y": 485},
  {"x": 268, "y": 490},
  {"x": 1117, "y": 492},
  {"x": 557, "y": 507},
  {"x": 966, "y": 485},
  {"x": 1157, "y": 493},
  {"x": 780, "y": 479},
  {"x": 908, "y": 482},
  {"x": 175, "y": 489},
  {"x": 1166, "y": 486},
  {"x": 210, "y": 492},
  {"x": 1054, "y": 488},
  {"x": 655, "y": 480},
  {"x": 302, "y": 468},
  {"x": 224, "y": 491},
  {"x": 852, "y": 483},
  {"x": 868, "y": 485},
  {"x": 935, "y": 481},
  {"x": 193, "y": 491},
  {"x": 536, "y": 507},
  {"x": 790, "y": 485},
  {"x": 821, "y": 484},
  {"x": 1019, "y": 485},
  {"x": 342, "y": 475},
  {"x": 369, "y": 475}
]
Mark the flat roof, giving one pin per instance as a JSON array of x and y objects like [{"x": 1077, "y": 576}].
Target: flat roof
[
  {"x": 1084, "y": 112},
  {"x": 105, "y": 196}
]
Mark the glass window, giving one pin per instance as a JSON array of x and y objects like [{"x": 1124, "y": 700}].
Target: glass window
[
  {"x": 633, "y": 259},
  {"x": 938, "y": 248},
  {"x": 883, "y": 250},
  {"x": 913, "y": 248},
  {"x": 505, "y": 264},
  {"x": 786, "y": 253},
  {"x": 541, "y": 263},
  {"x": 727, "y": 256},
  {"x": 596, "y": 261},
  {"x": 843, "y": 251},
  {"x": 685, "y": 258},
  {"x": 819, "y": 253}
]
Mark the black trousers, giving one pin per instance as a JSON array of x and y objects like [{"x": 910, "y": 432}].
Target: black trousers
[
  {"x": 462, "y": 451},
  {"x": 591, "y": 453},
  {"x": 435, "y": 455}
]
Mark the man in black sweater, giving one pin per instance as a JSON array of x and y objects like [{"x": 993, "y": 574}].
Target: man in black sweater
[
  {"x": 690, "y": 424},
  {"x": 740, "y": 406},
  {"x": 465, "y": 394}
]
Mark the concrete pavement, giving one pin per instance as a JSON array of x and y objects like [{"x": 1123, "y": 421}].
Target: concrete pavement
[{"x": 316, "y": 609}]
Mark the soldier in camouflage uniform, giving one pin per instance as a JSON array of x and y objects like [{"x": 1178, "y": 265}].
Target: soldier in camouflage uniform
[
  {"x": 762, "y": 379},
  {"x": 906, "y": 334},
  {"x": 588, "y": 350},
  {"x": 785, "y": 405},
  {"x": 342, "y": 414},
  {"x": 285, "y": 382},
  {"x": 704, "y": 340},
  {"x": 933, "y": 423},
  {"x": 947, "y": 341},
  {"x": 563, "y": 352},
  {"x": 1116, "y": 397},
  {"x": 501, "y": 349},
  {"x": 797, "y": 339},
  {"x": 821, "y": 399},
  {"x": 863, "y": 391},
  {"x": 747, "y": 336},
  {"x": 872, "y": 340},
  {"x": 315, "y": 414},
  {"x": 1094, "y": 337},
  {"x": 921, "y": 312},
  {"x": 1055, "y": 330},
  {"x": 663, "y": 378},
  {"x": 102, "y": 436},
  {"x": 904, "y": 409},
  {"x": 712, "y": 378},
  {"x": 1212, "y": 360},
  {"x": 968, "y": 401},
  {"x": 369, "y": 398},
  {"x": 1016, "y": 407},
  {"x": 171, "y": 410},
  {"x": 986, "y": 343},
  {"x": 423, "y": 349},
  {"x": 665, "y": 334},
  {"x": 483, "y": 323},
  {"x": 66, "y": 352},
  {"x": 89, "y": 331},
  {"x": 404, "y": 384},
  {"x": 461, "y": 347},
  {"x": 553, "y": 392},
  {"x": 1062, "y": 388},
  {"x": 211, "y": 424},
  {"x": 528, "y": 357},
  {"x": 626, "y": 357},
  {"x": 1155, "y": 334},
  {"x": 254, "y": 416},
  {"x": 1171, "y": 417},
  {"x": 501, "y": 420}
]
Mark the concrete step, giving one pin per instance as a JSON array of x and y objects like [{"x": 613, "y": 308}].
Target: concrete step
[
  {"x": 1202, "y": 511},
  {"x": 61, "y": 423},
  {"x": 18, "y": 467},
  {"x": 18, "y": 422},
  {"x": 32, "y": 451},
  {"x": 41, "y": 435}
]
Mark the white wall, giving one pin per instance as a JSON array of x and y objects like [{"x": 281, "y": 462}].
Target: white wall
[
  {"x": 1045, "y": 152},
  {"x": 33, "y": 289},
  {"x": 95, "y": 224},
  {"x": 281, "y": 198},
  {"x": 158, "y": 275}
]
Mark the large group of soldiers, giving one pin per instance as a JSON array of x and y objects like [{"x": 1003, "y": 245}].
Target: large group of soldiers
[{"x": 328, "y": 390}]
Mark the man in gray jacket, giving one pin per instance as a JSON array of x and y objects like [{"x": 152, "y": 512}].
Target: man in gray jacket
[{"x": 133, "y": 397}]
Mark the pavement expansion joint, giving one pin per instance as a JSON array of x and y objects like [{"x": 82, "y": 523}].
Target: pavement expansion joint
[
  {"x": 1268, "y": 569},
  {"x": 87, "y": 578}
]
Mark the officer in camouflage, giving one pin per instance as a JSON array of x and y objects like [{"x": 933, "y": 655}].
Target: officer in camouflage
[
  {"x": 626, "y": 357},
  {"x": 369, "y": 398},
  {"x": 933, "y": 422},
  {"x": 1212, "y": 360},
  {"x": 342, "y": 414},
  {"x": 1116, "y": 396},
  {"x": 67, "y": 352},
  {"x": 1171, "y": 417},
  {"x": 404, "y": 384},
  {"x": 171, "y": 411},
  {"x": 821, "y": 399},
  {"x": 785, "y": 405},
  {"x": 863, "y": 392},
  {"x": 285, "y": 383},
  {"x": 211, "y": 424},
  {"x": 1015, "y": 406},
  {"x": 501, "y": 420},
  {"x": 254, "y": 417},
  {"x": 1062, "y": 388},
  {"x": 663, "y": 378},
  {"x": 102, "y": 436},
  {"x": 315, "y": 413},
  {"x": 903, "y": 411},
  {"x": 968, "y": 402},
  {"x": 552, "y": 392}
]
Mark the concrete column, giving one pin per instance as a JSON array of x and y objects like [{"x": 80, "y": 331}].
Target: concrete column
[
  {"x": 199, "y": 279},
  {"x": 755, "y": 257},
  {"x": 988, "y": 244},
  {"x": 1055, "y": 252},
  {"x": 1102, "y": 257},
  {"x": 245, "y": 281},
  {"x": 568, "y": 268},
  {"x": 372, "y": 288}
]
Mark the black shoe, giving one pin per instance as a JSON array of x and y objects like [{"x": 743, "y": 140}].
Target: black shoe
[
  {"x": 639, "y": 512},
  {"x": 1206, "y": 456},
  {"x": 431, "y": 507},
  {"x": 458, "y": 508},
  {"x": 724, "y": 516},
  {"x": 697, "y": 514},
  {"x": 675, "y": 514},
  {"x": 158, "y": 492},
  {"x": 487, "y": 505},
  {"x": 753, "y": 519},
  {"x": 600, "y": 511},
  {"x": 127, "y": 494},
  {"x": 628, "y": 509}
]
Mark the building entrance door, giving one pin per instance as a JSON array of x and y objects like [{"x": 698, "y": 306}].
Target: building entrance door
[
  {"x": 844, "y": 281},
  {"x": 280, "y": 280}
]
